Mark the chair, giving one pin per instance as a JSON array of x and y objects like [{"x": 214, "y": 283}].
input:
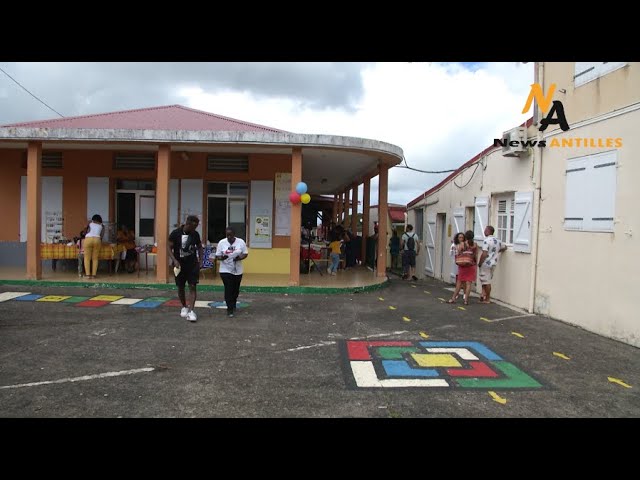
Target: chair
[{"x": 207, "y": 262}]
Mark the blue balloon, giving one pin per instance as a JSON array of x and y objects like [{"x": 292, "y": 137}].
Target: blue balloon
[{"x": 301, "y": 188}]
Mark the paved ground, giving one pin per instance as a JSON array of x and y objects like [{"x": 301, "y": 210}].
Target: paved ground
[{"x": 284, "y": 356}]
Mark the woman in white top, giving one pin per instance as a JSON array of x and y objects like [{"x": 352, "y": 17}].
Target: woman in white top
[{"x": 92, "y": 245}]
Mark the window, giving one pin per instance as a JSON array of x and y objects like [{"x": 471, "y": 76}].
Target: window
[
  {"x": 591, "y": 193},
  {"x": 588, "y": 71},
  {"x": 134, "y": 161},
  {"x": 226, "y": 206},
  {"x": 419, "y": 226},
  {"x": 238, "y": 164},
  {"x": 505, "y": 214}
]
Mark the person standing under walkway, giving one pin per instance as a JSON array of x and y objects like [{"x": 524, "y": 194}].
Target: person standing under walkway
[
  {"x": 492, "y": 247},
  {"x": 467, "y": 272},
  {"x": 184, "y": 243},
  {"x": 410, "y": 245},
  {"x": 92, "y": 246},
  {"x": 231, "y": 251}
]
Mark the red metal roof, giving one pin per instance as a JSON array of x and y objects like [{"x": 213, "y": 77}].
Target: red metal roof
[
  {"x": 397, "y": 214},
  {"x": 526, "y": 124},
  {"x": 170, "y": 117}
]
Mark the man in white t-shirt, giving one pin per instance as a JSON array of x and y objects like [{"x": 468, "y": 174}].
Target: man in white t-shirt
[
  {"x": 231, "y": 251},
  {"x": 491, "y": 250}
]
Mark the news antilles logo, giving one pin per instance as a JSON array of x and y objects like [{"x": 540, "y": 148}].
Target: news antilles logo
[{"x": 556, "y": 116}]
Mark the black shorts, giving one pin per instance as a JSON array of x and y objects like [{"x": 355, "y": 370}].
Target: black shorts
[
  {"x": 409, "y": 258},
  {"x": 188, "y": 274}
]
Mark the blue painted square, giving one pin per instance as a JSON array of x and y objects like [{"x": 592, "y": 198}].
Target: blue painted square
[
  {"x": 147, "y": 304},
  {"x": 29, "y": 298},
  {"x": 400, "y": 368}
]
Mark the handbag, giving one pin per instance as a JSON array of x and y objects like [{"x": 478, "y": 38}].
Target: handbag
[{"x": 465, "y": 259}]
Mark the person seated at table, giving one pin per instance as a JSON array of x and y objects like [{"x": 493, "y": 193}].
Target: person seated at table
[{"x": 127, "y": 238}]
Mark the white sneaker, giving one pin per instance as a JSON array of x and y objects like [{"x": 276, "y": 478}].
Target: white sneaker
[
  {"x": 184, "y": 312},
  {"x": 329, "y": 271},
  {"x": 192, "y": 317}
]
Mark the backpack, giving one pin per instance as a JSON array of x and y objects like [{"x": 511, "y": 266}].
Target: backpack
[{"x": 411, "y": 243}]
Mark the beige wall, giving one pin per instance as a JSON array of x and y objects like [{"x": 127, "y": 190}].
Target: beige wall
[
  {"x": 497, "y": 174},
  {"x": 587, "y": 278},
  {"x": 605, "y": 94}
]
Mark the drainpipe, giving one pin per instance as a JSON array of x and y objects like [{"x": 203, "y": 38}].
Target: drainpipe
[{"x": 537, "y": 174}]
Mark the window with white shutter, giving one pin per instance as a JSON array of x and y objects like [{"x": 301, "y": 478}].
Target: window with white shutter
[
  {"x": 504, "y": 217},
  {"x": 522, "y": 215},
  {"x": 590, "y": 193},
  {"x": 588, "y": 71},
  {"x": 481, "y": 217}
]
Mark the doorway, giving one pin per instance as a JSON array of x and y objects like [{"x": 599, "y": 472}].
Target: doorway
[
  {"x": 441, "y": 226},
  {"x": 136, "y": 209}
]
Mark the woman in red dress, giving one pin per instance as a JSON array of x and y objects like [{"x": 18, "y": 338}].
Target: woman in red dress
[{"x": 467, "y": 274}]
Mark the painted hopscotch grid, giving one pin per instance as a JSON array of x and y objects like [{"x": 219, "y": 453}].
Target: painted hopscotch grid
[
  {"x": 420, "y": 364},
  {"x": 103, "y": 300}
]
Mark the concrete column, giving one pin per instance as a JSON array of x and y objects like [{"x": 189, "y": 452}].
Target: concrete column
[
  {"x": 296, "y": 219},
  {"x": 162, "y": 212},
  {"x": 347, "y": 217},
  {"x": 34, "y": 210},
  {"x": 383, "y": 219},
  {"x": 340, "y": 208},
  {"x": 366, "y": 194},
  {"x": 334, "y": 210},
  {"x": 354, "y": 210}
]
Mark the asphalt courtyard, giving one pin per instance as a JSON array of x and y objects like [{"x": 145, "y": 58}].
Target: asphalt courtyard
[{"x": 396, "y": 352}]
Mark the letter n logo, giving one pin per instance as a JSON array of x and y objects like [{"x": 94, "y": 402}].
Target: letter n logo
[{"x": 544, "y": 102}]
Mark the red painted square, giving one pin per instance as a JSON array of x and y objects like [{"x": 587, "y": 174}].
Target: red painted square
[
  {"x": 477, "y": 369},
  {"x": 93, "y": 303},
  {"x": 172, "y": 303},
  {"x": 359, "y": 349}
]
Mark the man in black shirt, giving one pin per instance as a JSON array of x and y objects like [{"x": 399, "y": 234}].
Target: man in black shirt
[{"x": 184, "y": 242}]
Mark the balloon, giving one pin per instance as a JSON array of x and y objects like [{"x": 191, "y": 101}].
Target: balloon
[
  {"x": 294, "y": 198},
  {"x": 301, "y": 188},
  {"x": 305, "y": 198}
]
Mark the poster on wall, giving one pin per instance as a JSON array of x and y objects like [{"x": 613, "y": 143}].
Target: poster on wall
[
  {"x": 283, "y": 205},
  {"x": 261, "y": 213}
]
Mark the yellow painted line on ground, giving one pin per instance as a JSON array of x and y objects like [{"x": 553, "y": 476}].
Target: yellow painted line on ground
[
  {"x": 485, "y": 319},
  {"x": 519, "y": 335},
  {"x": 424, "y": 335},
  {"x": 619, "y": 382},
  {"x": 441, "y": 299},
  {"x": 561, "y": 355},
  {"x": 427, "y": 292},
  {"x": 392, "y": 308},
  {"x": 461, "y": 308},
  {"x": 498, "y": 398},
  {"x": 406, "y": 319},
  {"x": 381, "y": 299}
]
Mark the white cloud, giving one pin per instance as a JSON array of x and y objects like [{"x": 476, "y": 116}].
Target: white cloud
[{"x": 439, "y": 114}]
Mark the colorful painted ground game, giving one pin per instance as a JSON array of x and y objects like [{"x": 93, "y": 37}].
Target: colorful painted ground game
[{"x": 401, "y": 364}]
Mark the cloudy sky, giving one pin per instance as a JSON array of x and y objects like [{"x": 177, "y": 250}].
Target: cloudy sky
[{"x": 440, "y": 114}]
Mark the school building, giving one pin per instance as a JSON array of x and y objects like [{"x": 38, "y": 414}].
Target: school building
[{"x": 150, "y": 168}]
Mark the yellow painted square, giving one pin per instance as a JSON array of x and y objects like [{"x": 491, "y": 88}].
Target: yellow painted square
[
  {"x": 436, "y": 360},
  {"x": 53, "y": 298},
  {"x": 107, "y": 298}
]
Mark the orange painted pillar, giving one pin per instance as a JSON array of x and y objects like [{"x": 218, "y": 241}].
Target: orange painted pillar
[
  {"x": 383, "y": 219},
  {"x": 354, "y": 210},
  {"x": 347, "y": 215},
  {"x": 34, "y": 210},
  {"x": 296, "y": 219},
  {"x": 366, "y": 200},
  {"x": 162, "y": 212},
  {"x": 340, "y": 208}
]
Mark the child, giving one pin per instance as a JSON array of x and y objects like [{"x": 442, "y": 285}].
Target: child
[
  {"x": 80, "y": 244},
  {"x": 334, "y": 247}
]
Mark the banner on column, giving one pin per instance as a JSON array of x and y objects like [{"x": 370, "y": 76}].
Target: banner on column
[{"x": 283, "y": 205}]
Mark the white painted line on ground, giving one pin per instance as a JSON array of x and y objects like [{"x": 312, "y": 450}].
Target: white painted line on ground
[
  {"x": 202, "y": 303},
  {"x": 365, "y": 376},
  {"x": 463, "y": 353},
  {"x": 509, "y": 318},
  {"x": 11, "y": 295},
  {"x": 81, "y": 379},
  {"x": 126, "y": 301},
  {"x": 325, "y": 343}
]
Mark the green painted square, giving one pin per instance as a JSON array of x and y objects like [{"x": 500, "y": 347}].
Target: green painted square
[
  {"x": 516, "y": 378},
  {"x": 394, "y": 353},
  {"x": 75, "y": 299},
  {"x": 157, "y": 299}
]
